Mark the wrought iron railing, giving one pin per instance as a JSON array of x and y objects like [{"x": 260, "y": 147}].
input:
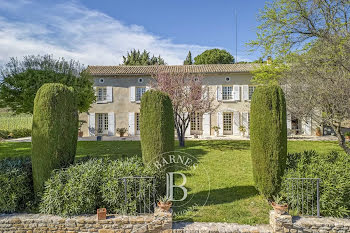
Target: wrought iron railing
[
  {"x": 139, "y": 194},
  {"x": 303, "y": 195}
]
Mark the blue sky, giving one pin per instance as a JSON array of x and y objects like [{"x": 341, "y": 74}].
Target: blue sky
[{"x": 100, "y": 32}]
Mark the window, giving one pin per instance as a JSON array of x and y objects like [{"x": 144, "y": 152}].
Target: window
[
  {"x": 102, "y": 123},
  {"x": 196, "y": 122},
  {"x": 137, "y": 121},
  {"x": 101, "y": 80},
  {"x": 251, "y": 91},
  {"x": 227, "y": 124},
  {"x": 101, "y": 93},
  {"x": 227, "y": 79},
  {"x": 140, "y": 80},
  {"x": 226, "y": 92},
  {"x": 139, "y": 93}
]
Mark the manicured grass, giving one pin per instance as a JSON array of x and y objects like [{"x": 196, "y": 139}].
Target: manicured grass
[{"x": 232, "y": 198}]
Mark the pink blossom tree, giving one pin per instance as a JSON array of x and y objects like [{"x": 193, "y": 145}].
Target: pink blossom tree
[{"x": 188, "y": 95}]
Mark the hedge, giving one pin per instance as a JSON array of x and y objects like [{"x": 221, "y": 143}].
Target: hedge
[
  {"x": 268, "y": 138},
  {"x": 156, "y": 125},
  {"x": 54, "y": 132}
]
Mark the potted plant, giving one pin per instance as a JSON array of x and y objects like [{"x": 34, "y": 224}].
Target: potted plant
[
  {"x": 347, "y": 135},
  {"x": 164, "y": 203},
  {"x": 242, "y": 130},
  {"x": 101, "y": 214},
  {"x": 80, "y": 122},
  {"x": 216, "y": 130},
  {"x": 121, "y": 131},
  {"x": 279, "y": 205},
  {"x": 318, "y": 131}
]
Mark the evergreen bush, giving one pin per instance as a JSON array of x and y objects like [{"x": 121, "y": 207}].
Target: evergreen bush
[
  {"x": 268, "y": 138},
  {"x": 156, "y": 125},
  {"x": 97, "y": 183},
  {"x": 16, "y": 186},
  {"x": 54, "y": 132}
]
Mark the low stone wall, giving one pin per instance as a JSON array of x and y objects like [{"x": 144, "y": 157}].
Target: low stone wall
[
  {"x": 32, "y": 223},
  {"x": 286, "y": 223}
]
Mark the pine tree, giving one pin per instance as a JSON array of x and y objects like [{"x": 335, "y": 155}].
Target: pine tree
[
  {"x": 136, "y": 58},
  {"x": 188, "y": 60}
]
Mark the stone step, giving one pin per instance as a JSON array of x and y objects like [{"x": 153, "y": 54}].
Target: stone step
[{"x": 199, "y": 227}]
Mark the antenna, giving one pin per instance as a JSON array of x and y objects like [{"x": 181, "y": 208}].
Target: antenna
[{"x": 236, "y": 60}]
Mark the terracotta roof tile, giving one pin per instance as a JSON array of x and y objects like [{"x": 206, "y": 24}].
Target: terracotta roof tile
[{"x": 148, "y": 70}]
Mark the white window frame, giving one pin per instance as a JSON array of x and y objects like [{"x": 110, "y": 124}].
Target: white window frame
[
  {"x": 139, "y": 92},
  {"x": 250, "y": 94},
  {"x": 227, "y": 93},
  {"x": 101, "y": 93}
]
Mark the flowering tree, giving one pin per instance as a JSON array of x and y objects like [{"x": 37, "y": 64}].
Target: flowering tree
[{"x": 188, "y": 95}]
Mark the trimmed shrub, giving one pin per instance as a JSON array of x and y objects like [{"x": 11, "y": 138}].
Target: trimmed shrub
[
  {"x": 332, "y": 169},
  {"x": 156, "y": 125},
  {"x": 20, "y": 133},
  {"x": 268, "y": 138},
  {"x": 4, "y": 134},
  {"x": 97, "y": 183},
  {"x": 55, "y": 131},
  {"x": 16, "y": 192}
]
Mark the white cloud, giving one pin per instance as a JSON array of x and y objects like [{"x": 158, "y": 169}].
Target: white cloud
[{"x": 72, "y": 31}]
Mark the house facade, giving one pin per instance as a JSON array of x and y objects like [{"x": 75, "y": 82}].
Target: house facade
[{"x": 119, "y": 90}]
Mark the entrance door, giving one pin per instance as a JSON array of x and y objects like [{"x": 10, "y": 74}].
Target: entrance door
[
  {"x": 102, "y": 123},
  {"x": 295, "y": 124},
  {"x": 227, "y": 119},
  {"x": 196, "y": 123}
]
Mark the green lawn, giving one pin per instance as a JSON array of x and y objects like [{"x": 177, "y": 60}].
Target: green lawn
[{"x": 232, "y": 198}]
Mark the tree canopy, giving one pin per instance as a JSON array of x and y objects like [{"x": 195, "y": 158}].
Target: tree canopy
[
  {"x": 21, "y": 79},
  {"x": 136, "y": 58},
  {"x": 188, "y": 60},
  {"x": 214, "y": 56}
]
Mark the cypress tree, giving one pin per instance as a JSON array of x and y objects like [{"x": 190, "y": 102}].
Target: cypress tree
[
  {"x": 54, "y": 131},
  {"x": 268, "y": 138},
  {"x": 188, "y": 60},
  {"x": 156, "y": 125}
]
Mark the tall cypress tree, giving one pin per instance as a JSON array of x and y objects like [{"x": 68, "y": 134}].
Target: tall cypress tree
[
  {"x": 188, "y": 60},
  {"x": 268, "y": 138}
]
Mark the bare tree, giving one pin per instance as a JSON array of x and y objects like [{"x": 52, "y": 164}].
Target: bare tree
[
  {"x": 319, "y": 87},
  {"x": 188, "y": 95}
]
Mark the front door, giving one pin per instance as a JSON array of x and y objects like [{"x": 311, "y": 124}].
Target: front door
[
  {"x": 102, "y": 123},
  {"x": 196, "y": 123},
  {"x": 227, "y": 123}
]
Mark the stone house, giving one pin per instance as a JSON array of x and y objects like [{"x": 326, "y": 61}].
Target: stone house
[{"x": 119, "y": 90}]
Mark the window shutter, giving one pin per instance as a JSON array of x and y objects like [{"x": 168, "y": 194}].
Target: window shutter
[
  {"x": 289, "y": 121},
  {"x": 131, "y": 131},
  {"x": 188, "y": 130},
  {"x": 307, "y": 126},
  {"x": 92, "y": 123},
  {"x": 219, "y": 92},
  {"x": 205, "y": 92},
  {"x": 236, "y": 123},
  {"x": 236, "y": 94},
  {"x": 220, "y": 123},
  {"x": 245, "y": 117},
  {"x": 132, "y": 94},
  {"x": 111, "y": 124},
  {"x": 147, "y": 88},
  {"x": 245, "y": 92},
  {"x": 206, "y": 124},
  {"x": 109, "y": 96}
]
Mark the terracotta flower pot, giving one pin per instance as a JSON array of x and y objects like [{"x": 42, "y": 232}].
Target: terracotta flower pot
[
  {"x": 101, "y": 214},
  {"x": 80, "y": 133},
  {"x": 280, "y": 209},
  {"x": 121, "y": 134},
  {"x": 347, "y": 137},
  {"x": 165, "y": 206}
]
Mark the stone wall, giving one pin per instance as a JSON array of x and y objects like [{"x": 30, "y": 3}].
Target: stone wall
[
  {"x": 32, "y": 223},
  {"x": 286, "y": 223}
]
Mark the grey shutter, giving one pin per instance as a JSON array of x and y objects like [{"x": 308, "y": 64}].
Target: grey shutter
[
  {"x": 109, "y": 96},
  {"x": 111, "y": 124},
  {"x": 245, "y": 92},
  {"x": 220, "y": 123},
  {"x": 245, "y": 118},
  {"x": 219, "y": 92},
  {"x": 206, "y": 124},
  {"x": 236, "y": 123},
  {"x": 131, "y": 131},
  {"x": 236, "y": 93},
  {"x": 92, "y": 123},
  {"x": 132, "y": 94}
]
